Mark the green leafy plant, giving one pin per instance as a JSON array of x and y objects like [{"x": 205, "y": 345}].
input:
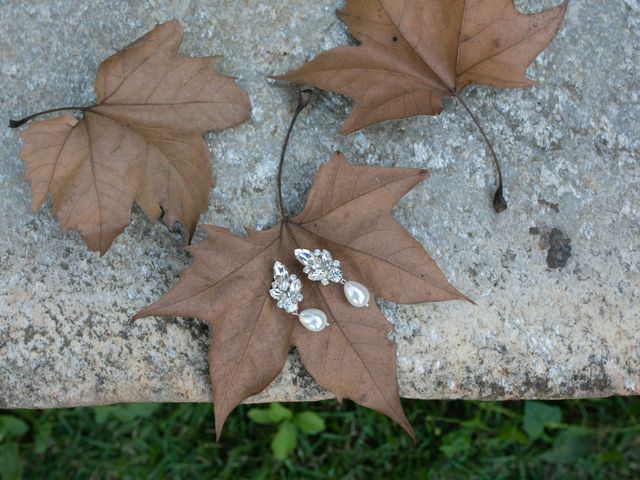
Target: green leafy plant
[
  {"x": 11, "y": 429},
  {"x": 456, "y": 439},
  {"x": 289, "y": 425},
  {"x": 537, "y": 416},
  {"x": 125, "y": 413},
  {"x": 569, "y": 446}
]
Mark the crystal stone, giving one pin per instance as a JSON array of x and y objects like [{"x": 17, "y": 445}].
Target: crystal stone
[
  {"x": 275, "y": 293},
  {"x": 279, "y": 271},
  {"x": 335, "y": 275},
  {"x": 295, "y": 286},
  {"x": 319, "y": 265},
  {"x": 291, "y": 306},
  {"x": 303, "y": 256},
  {"x": 285, "y": 288}
]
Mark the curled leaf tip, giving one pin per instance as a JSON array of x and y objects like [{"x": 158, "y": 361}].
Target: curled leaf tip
[{"x": 499, "y": 202}]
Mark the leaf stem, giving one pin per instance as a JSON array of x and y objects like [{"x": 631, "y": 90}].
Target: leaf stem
[
  {"x": 22, "y": 121},
  {"x": 304, "y": 98},
  {"x": 499, "y": 202}
]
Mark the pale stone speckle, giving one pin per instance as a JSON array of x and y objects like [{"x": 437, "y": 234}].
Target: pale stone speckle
[{"x": 570, "y": 150}]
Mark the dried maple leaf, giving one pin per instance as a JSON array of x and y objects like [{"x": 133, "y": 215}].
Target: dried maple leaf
[
  {"x": 141, "y": 142},
  {"x": 414, "y": 53},
  {"x": 348, "y": 212}
]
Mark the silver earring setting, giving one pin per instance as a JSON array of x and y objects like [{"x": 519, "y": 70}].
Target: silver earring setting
[
  {"x": 320, "y": 266},
  {"x": 286, "y": 289}
]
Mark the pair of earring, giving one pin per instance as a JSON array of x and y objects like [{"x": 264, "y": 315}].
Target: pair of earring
[{"x": 319, "y": 266}]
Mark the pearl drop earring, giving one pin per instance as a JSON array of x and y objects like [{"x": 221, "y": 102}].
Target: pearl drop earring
[
  {"x": 286, "y": 290},
  {"x": 320, "y": 266}
]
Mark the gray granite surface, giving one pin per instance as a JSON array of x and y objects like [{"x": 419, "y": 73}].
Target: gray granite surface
[{"x": 556, "y": 278}]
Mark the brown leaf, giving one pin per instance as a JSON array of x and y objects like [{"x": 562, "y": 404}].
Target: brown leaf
[
  {"x": 415, "y": 53},
  {"x": 141, "y": 142},
  {"x": 349, "y": 213}
]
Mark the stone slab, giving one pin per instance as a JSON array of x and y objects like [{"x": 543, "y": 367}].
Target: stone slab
[{"x": 556, "y": 278}]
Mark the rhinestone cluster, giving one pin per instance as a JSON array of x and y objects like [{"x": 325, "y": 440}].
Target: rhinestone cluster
[
  {"x": 319, "y": 266},
  {"x": 285, "y": 288}
]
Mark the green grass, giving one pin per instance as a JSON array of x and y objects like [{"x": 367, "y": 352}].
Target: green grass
[{"x": 456, "y": 439}]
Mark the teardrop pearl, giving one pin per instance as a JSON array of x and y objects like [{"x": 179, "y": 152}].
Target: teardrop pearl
[
  {"x": 357, "y": 294},
  {"x": 313, "y": 319}
]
